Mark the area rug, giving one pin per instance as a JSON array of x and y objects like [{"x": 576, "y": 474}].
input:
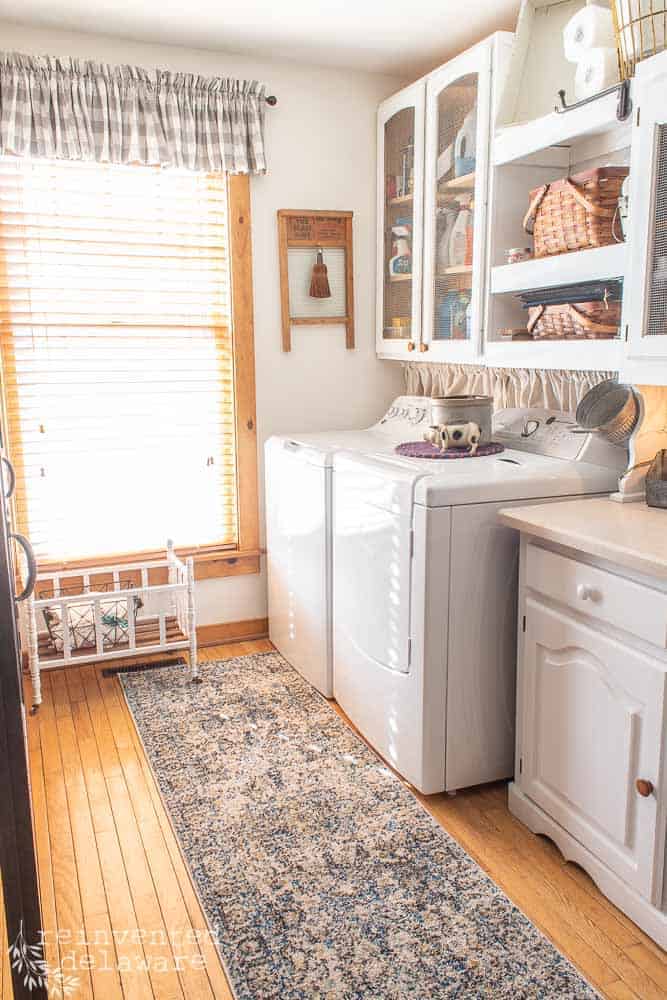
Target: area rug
[{"x": 320, "y": 873}]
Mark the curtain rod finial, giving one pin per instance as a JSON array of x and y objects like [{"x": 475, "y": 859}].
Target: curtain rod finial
[{"x": 271, "y": 100}]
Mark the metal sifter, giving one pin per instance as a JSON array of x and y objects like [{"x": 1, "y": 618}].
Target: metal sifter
[{"x": 611, "y": 409}]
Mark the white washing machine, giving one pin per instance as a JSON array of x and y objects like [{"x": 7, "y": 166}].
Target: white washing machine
[
  {"x": 425, "y": 589},
  {"x": 298, "y": 474}
]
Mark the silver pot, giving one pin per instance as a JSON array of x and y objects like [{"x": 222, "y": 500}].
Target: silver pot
[
  {"x": 461, "y": 409},
  {"x": 611, "y": 409}
]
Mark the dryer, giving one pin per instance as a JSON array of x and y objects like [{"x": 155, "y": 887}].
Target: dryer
[
  {"x": 425, "y": 590},
  {"x": 298, "y": 476}
]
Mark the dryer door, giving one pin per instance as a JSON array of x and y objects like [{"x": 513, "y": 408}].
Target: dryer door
[{"x": 372, "y": 564}]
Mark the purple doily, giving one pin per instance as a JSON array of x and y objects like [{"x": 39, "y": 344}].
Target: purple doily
[{"x": 424, "y": 449}]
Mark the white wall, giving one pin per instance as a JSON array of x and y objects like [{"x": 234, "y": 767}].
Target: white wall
[{"x": 321, "y": 154}]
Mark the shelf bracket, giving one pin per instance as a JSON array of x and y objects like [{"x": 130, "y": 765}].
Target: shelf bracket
[{"x": 623, "y": 107}]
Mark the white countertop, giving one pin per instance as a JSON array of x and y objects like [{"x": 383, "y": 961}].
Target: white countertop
[{"x": 628, "y": 534}]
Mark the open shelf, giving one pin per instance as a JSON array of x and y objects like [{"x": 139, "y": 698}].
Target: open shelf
[
  {"x": 516, "y": 142},
  {"x": 466, "y": 182},
  {"x": 584, "y": 354},
  {"x": 596, "y": 264}
]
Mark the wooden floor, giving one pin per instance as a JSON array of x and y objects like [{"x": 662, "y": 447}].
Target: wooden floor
[{"x": 119, "y": 909}]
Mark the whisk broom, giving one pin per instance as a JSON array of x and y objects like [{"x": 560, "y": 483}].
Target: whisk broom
[{"x": 319, "y": 282}]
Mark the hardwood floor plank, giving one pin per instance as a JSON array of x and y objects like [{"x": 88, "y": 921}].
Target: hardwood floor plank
[
  {"x": 67, "y": 893},
  {"x": 43, "y": 851},
  {"x": 127, "y": 933}
]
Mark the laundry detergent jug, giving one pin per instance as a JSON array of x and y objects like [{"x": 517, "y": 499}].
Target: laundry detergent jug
[{"x": 465, "y": 145}]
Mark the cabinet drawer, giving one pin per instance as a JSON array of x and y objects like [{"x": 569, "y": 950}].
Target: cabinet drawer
[{"x": 603, "y": 596}]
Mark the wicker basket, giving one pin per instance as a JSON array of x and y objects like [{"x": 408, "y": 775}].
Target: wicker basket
[
  {"x": 587, "y": 320},
  {"x": 575, "y": 213}
]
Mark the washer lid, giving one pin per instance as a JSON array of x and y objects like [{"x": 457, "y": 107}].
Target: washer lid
[{"x": 511, "y": 475}]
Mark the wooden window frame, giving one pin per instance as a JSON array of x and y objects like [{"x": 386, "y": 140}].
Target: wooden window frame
[{"x": 212, "y": 561}]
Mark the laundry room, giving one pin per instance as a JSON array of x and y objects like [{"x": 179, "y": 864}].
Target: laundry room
[{"x": 333, "y": 453}]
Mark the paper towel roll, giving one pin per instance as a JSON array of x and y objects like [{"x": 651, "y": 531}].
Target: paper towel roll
[
  {"x": 591, "y": 27},
  {"x": 596, "y": 71}
]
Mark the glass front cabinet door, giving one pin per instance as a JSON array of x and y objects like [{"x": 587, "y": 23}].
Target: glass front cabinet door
[
  {"x": 456, "y": 168},
  {"x": 646, "y": 219},
  {"x": 400, "y": 194}
]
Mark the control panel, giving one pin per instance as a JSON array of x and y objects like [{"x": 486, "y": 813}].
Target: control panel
[{"x": 542, "y": 432}]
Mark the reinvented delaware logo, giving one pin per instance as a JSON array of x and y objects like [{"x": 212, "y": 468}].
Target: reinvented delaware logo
[{"x": 28, "y": 960}]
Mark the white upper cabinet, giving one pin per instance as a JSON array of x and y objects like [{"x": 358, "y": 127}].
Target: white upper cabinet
[
  {"x": 455, "y": 194},
  {"x": 432, "y": 208},
  {"x": 400, "y": 185},
  {"x": 646, "y": 279}
]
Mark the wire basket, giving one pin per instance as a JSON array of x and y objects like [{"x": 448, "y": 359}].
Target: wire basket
[{"x": 640, "y": 27}]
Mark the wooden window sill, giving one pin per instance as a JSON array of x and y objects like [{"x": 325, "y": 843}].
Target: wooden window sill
[{"x": 210, "y": 563}]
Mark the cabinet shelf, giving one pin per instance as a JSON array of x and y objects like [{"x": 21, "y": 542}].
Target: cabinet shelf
[
  {"x": 466, "y": 182},
  {"x": 518, "y": 142},
  {"x": 404, "y": 199},
  {"x": 447, "y": 272},
  {"x": 394, "y": 278},
  {"x": 596, "y": 264}
]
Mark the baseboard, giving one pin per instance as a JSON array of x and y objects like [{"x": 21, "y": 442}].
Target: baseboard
[{"x": 222, "y": 632}]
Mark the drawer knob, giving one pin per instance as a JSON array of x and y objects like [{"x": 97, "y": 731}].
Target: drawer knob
[
  {"x": 645, "y": 788},
  {"x": 584, "y": 592}
]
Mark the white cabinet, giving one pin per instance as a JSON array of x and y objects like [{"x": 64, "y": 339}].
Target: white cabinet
[
  {"x": 591, "y": 723},
  {"x": 592, "y": 719},
  {"x": 433, "y": 152},
  {"x": 400, "y": 185},
  {"x": 646, "y": 283}
]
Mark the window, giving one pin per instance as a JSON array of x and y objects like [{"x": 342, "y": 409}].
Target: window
[{"x": 127, "y": 362}]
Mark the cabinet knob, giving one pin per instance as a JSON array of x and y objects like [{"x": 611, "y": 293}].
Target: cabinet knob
[
  {"x": 411, "y": 345},
  {"x": 644, "y": 787},
  {"x": 423, "y": 347},
  {"x": 584, "y": 592}
]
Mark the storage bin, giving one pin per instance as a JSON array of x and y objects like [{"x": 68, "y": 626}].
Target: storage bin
[
  {"x": 576, "y": 212},
  {"x": 587, "y": 320}
]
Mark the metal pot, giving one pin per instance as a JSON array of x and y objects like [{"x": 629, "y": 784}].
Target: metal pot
[
  {"x": 611, "y": 409},
  {"x": 461, "y": 409}
]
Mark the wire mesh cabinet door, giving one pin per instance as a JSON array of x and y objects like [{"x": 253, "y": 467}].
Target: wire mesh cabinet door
[
  {"x": 458, "y": 124},
  {"x": 400, "y": 179},
  {"x": 646, "y": 277}
]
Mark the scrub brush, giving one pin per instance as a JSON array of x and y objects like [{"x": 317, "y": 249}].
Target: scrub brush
[{"x": 319, "y": 283}]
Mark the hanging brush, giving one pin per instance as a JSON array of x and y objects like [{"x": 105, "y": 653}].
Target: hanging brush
[{"x": 319, "y": 283}]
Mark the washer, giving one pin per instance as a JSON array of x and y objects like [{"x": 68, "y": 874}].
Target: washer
[
  {"x": 425, "y": 591},
  {"x": 298, "y": 475}
]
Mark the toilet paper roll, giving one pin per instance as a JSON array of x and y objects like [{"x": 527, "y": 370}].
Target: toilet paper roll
[
  {"x": 595, "y": 72},
  {"x": 591, "y": 27}
]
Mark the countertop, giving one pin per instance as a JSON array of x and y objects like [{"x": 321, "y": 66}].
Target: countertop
[{"x": 628, "y": 534}]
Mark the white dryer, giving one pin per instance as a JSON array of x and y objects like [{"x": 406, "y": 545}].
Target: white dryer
[
  {"x": 425, "y": 587},
  {"x": 298, "y": 475}
]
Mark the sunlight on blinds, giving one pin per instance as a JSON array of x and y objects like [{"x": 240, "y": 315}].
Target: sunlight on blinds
[{"x": 117, "y": 356}]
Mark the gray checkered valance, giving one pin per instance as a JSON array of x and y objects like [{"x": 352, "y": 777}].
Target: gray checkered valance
[{"x": 77, "y": 110}]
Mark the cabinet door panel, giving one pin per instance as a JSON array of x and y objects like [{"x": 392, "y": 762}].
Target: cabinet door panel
[
  {"x": 646, "y": 313},
  {"x": 455, "y": 194},
  {"x": 400, "y": 217},
  {"x": 593, "y": 712}
]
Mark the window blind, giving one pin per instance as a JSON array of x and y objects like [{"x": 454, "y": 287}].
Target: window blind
[{"x": 117, "y": 357}]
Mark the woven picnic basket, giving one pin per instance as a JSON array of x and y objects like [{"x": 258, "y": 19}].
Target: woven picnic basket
[
  {"x": 575, "y": 213},
  {"x": 587, "y": 320}
]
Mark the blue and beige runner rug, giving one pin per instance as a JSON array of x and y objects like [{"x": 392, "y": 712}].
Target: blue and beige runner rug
[{"x": 321, "y": 874}]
